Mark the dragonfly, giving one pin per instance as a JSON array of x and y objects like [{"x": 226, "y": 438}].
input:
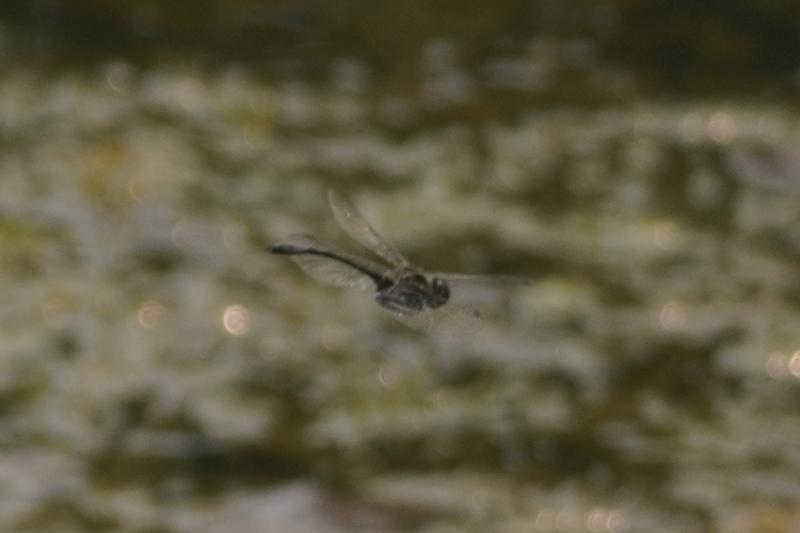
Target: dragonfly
[{"x": 420, "y": 299}]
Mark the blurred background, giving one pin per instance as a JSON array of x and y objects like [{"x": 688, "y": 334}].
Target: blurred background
[{"x": 159, "y": 373}]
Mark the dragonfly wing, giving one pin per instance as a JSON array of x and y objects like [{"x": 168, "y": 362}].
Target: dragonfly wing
[
  {"x": 332, "y": 273},
  {"x": 483, "y": 292},
  {"x": 325, "y": 269},
  {"x": 451, "y": 320},
  {"x": 482, "y": 279},
  {"x": 417, "y": 321},
  {"x": 351, "y": 222}
]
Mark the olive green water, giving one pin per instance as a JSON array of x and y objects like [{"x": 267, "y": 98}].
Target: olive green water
[{"x": 160, "y": 373}]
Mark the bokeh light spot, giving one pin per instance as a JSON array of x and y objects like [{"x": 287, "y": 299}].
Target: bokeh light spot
[
  {"x": 616, "y": 521},
  {"x": 236, "y": 319},
  {"x": 776, "y": 365},
  {"x": 721, "y": 127},
  {"x": 119, "y": 76},
  {"x": 672, "y": 316},
  {"x": 150, "y": 314},
  {"x": 794, "y": 365},
  {"x": 597, "y": 520},
  {"x": 388, "y": 375}
]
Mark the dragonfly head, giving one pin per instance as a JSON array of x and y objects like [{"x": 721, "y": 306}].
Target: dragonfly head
[{"x": 440, "y": 292}]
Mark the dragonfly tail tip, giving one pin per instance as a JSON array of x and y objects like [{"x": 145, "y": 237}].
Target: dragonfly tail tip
[{"x": 278, "y": 249}]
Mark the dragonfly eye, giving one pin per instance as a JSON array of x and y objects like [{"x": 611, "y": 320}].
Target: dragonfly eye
[{"x": 440, "y": 290}]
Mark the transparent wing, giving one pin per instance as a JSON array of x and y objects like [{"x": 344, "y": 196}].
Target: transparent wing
[
  {"x": 451, "y": 320},
  {"x": 484, "y": 292},
  {"x": 482, "y": 279},
  {"x": 351, "y": 222},
  {"x": 328, "y": 270}
]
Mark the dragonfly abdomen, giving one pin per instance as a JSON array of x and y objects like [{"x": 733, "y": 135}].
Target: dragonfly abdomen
[{"x": 380, "y": 281}]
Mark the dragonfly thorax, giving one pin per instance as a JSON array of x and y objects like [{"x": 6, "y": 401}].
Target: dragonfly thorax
[{"x": 412, "y": 293}]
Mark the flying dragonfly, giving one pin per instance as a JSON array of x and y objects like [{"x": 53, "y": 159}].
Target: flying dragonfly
[{"x": 420, "y": 299}]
